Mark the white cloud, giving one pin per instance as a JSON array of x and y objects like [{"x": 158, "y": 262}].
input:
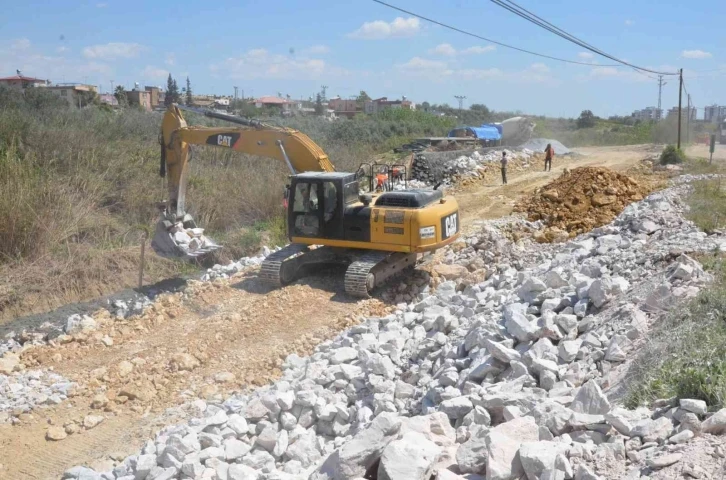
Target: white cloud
[
  {"x": 586, "y": 55},
  {"x": 629, "y": 23},
  {"x": 170, "y": 59},
  {"x": 113, "y": 50},
  {"x": 20, "y": 44},
  {"x": 422, "y": 64},
  {"x": 447, "y": 50},
  {"x": 378, "y": 29},
  {"x": 22, "y": 56},
  {"x": 260, "y": 63},
  {"x": 478, "y": 50},
  {"x": 539, "y": 68},
  {"x": 317, "y": 50},
  {"x": 478, "y": 74},
  {"x": 698, "y": 54},
  {"x": 101, "y": 5},
  {"x": 604, "y": 72},
  {"x": 154, "y": 73},
  {"x": 62, "y": 49},
  {"x": 443, "y": 49}
]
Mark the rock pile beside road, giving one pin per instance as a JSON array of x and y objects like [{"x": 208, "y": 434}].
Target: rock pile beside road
[
  {"x": 430, "y": 170},
  {"x": 503, "y": 376},
  {"x": 582, "y": 199}
]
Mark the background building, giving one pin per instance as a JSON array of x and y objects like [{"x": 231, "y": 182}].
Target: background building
[
  {"x": 142, "y": 98},
  {"x": 21, "y": 82},
  {"x": 648, "y": 113},
  {"x": 714, "y": 113},
  {"x": 76, "y": 94}
]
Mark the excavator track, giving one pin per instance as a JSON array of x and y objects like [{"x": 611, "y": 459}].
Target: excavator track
[
  {"x": 360, "y": 279},
  {"x": 371, "y": 269},
  {"x": 274, "y": 269}
]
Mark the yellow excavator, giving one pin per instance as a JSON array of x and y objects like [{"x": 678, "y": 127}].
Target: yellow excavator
[{"x": 329, "y": 220}]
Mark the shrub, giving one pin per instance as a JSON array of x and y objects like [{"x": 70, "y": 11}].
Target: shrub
[{"x": 672, "y": 155}]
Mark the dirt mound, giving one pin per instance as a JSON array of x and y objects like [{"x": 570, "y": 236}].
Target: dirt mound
[{"x": 580, "y": 200}]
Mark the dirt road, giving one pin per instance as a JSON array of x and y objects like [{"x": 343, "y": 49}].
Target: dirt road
[
  {"x": 209, "y": 341},
  {"x": 493, "y": 200}
]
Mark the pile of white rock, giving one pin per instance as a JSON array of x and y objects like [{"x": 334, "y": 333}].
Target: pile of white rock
[
  {"x": 23, "y": 391},
  {"x": 226, "y": 271},
  {"x": 429, "y": 171},
  {"x": 191, "y": 239},
  {"x": 500, "y": 379}
]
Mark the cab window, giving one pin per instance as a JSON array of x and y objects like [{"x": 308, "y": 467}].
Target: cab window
[
  {"x": 350, "y": 192},
  {"x": 306, "y": 198}
]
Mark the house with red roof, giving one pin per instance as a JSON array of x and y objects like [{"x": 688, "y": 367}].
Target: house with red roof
[{"x": 22, "y": 82}]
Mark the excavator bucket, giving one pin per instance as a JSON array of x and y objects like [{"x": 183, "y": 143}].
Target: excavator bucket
[{"x": 174, "y": 241}]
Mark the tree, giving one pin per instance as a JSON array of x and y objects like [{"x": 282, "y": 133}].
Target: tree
[
  {"x": 172, "y": 92},
  {"x": 177, "y": 96},
  {"x": 190, "y": 99},
  {"x": 319, "y": 107},
  {"x": 120, "y": 93},
  {"x": 425, "y": 106},
  {"x": 362, "y": 99},
  {"x": 586, "y": 119}
]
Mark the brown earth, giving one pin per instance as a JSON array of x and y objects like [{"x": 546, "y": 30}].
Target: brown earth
[
  {"x": 211, "y": 340},
  {"x": 582, "y": 199}
]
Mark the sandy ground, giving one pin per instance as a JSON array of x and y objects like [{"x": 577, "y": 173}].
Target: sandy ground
[{"x": 236, "y": 327}]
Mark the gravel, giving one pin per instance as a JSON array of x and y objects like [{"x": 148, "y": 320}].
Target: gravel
[
  {"x": 473, "y": 370},
  {"x": 539, "y": 144}
]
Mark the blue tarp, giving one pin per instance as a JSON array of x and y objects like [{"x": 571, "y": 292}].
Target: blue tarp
[
  {"x": 498, "y": 126},
  {"x": 484, "y": 132}
]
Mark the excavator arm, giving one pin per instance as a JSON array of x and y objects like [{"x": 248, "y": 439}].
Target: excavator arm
[{"x": 294, "y": 148}]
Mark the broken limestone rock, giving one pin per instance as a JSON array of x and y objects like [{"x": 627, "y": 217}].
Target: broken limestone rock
[
  {"x": 412, "y": 457},
  {"x": 590, "y": 399},
  {"x": 503, "y": 442}
]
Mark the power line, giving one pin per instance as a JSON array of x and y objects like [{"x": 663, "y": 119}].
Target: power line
[
  {"x": 435, "y": 22},
  {"x": 531, "y": 17}
]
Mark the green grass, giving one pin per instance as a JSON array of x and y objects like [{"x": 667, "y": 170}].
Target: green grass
[
  {"x": 708, "y": 205},
  {"x": 672, "y": 155},
  {"x": 686, "y": 354}
]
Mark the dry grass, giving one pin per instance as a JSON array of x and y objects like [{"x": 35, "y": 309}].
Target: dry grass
[{"x": 79, "y": 186}]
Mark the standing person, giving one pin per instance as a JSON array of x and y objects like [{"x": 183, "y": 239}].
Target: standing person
[
  {"x": 549, "y": 153},
  {"x": 504, "y": 168}
]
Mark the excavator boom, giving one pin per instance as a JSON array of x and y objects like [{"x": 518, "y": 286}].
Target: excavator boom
[{"x": 294, "y": 148}]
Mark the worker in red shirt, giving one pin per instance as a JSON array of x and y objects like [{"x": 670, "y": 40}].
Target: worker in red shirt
[{"x": 549, "y": 153}]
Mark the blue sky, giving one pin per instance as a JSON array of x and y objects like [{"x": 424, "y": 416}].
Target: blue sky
[{"x": 294, "y": 47}]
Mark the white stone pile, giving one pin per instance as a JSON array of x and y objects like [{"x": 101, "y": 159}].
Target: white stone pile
[
  {"x": 502, "y": 379},
  {"x": 226, "y": 271},
  {"x": 430, "y": 171},
  {"x": 23, "y": 391},
  {"x": 191, "y": 239}
]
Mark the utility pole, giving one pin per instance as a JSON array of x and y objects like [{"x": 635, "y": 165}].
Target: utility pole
[
  {"x": 461, "y": 99},
  {"x": 661, "y": 84},
  {"x": 324, "y": 88},
  {"x": 680, "y": 96},
  {"x": 112, "y": 91},
  {"x": 235, "y": 96},
  {"x": 688, "y": 121}
]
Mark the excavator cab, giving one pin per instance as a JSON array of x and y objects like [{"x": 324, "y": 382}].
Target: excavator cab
[{"x": 318, "y": 202}]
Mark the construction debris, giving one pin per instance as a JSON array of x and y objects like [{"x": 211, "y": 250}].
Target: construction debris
[{"x": 506, "y": 377}]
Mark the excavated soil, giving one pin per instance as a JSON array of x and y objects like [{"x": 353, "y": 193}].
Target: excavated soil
[{"x": 581, "y": 199}]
